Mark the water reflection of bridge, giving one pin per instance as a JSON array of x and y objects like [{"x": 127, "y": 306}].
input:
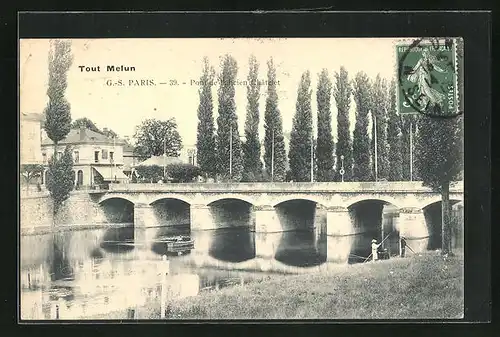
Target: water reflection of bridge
[{"x": 340, "y": 209}]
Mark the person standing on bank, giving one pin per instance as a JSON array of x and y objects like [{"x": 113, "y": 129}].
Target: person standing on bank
[
  {"x": 403, "y": 246},
  {"x": 375, "y": 249}
]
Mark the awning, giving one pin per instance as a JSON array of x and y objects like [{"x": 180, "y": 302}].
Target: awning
[{"x": 110, "y": 173}]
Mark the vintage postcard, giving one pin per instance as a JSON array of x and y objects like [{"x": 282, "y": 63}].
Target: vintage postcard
[{"x": 241, "y": 178}]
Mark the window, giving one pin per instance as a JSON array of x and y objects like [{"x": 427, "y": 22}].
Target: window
[
  {"x": 59, "y": 155},
  {"x": 111, "y": 157},
  {"x": 96, "y": 156},
  {"x": 190, "y": 160},
  {"x": 104, "y": 154},
  {"x": 77, "y": 156},
  {"x": 44, "y": 158},
  {"x": 80, "y": 177}
]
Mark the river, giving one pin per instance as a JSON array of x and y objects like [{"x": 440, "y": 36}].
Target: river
[{"x": 87, "y": 273}]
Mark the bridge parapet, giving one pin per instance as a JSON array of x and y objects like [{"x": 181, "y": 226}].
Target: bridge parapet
[{"x": 317, "y": 187}]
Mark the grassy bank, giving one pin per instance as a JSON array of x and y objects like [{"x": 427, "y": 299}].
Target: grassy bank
[{"x": 426, "y": 286}]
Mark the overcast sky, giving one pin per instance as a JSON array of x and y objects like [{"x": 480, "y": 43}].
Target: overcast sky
[{"x": 162, "y": 60}]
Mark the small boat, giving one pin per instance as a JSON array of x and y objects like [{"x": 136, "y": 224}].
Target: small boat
[{"x": 178, "y": 244}]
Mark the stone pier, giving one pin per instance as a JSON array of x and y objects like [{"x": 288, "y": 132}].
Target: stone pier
[
  {"x": 201, "y": 217},
  {"x": 266, "y": 220},
  {"x": 266, "y": 245},
  {"x": 413, "y": 227},
  {"x": 339, "y": 221},
  {"x": 144, "y": 223}
]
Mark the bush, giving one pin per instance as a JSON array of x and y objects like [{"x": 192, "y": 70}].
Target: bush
[
  {"x": 183, "y": 173},
  {"x": 151, "y": 173}
]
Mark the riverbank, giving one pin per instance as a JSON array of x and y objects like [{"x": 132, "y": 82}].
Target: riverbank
[{"x": 422, "y": 286}]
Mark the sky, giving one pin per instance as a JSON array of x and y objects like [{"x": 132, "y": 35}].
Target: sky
[{"x": 162, "y": 60}]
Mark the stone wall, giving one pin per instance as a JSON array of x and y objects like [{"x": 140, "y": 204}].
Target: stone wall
[{"x": 36, "y": 211}]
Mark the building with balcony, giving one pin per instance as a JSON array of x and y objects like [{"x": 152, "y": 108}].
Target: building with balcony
[{"x": 98, "y": 159}]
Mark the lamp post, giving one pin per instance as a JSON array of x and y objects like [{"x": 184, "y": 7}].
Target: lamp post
[{"x": 342, "y": 172}]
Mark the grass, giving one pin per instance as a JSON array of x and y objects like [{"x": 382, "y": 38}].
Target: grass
[{"x": 428, "y": 286}]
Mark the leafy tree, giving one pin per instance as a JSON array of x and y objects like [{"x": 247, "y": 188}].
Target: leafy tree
[
  {"x": 86, "y": 123},
  {"x": 60, "y": 178},
  {"x": 301, "y": 135},
  {"x": 361, "y": 141},
  {"x": 153, "y": 136},
  {"x": 251, "y": 147},
  {"x": 57, "y": 113},
  {"x": 227, "y": 124},
  {"x": 394, "y": 138},
  {"x": 182, "y": 173},
  {"x": 379, "y": 112},
  {"x": 149, "y": 173},
  {"x": 439, "y": 159},
  {"x": 324, "y": 149},
  {"x": 274, "y": 142},
  {"x": 342, "y": 93},
  {"x": 89, "y": 124},
  {"x": 205, "y": 143}
]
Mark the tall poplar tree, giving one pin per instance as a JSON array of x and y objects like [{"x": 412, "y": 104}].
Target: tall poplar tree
[
  {"x": 379, "y": 120},
  {"x": 58, "y": 111},
  {"x": 361, "y": 141},
  {"x": 301, "y": 135},
  {"x": 439, "y": 160},
  {"x": 394, "y": 137},
  {"x": 205, "y": 142},
  {"x": 57, "y": 124},
  {"x": 251, "y": 147},
  {"x": 342, "y": 93},
  {"x": 274, "y": 142},
  {"x": 229, "y": 162},
  {"x": 324, "y": 147}
]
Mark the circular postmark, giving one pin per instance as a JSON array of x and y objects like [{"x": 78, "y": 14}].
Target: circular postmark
[{"x": 428, "y": 77}]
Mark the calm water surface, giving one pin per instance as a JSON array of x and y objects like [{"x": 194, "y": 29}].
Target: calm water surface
[{"x": 84, "y": 273}]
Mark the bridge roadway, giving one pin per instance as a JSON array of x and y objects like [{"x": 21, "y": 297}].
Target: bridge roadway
[{"x": 335, "y": 198}]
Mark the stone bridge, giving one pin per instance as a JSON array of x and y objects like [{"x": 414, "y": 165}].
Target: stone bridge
[{"x": 268, "y": 201}]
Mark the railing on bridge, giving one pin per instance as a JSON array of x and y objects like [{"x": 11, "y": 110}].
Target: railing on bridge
[{"x": 394, "y": 186}]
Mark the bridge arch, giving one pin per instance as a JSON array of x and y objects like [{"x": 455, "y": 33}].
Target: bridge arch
[
  {"x": 117, "y": 196},
  {"x": 318, "y": 200},
  {"x": 169, "y": 196},
  {"x": 116, "y": 209},
  {"x": 364, "y": 198},
  {"x": 222, "y": 197},
  {"x": 428, "y": 202}
]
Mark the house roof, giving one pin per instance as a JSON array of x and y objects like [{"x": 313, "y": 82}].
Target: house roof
[
  {"x": 75, "y": 136},
  {"x": 160, "y": 161}
]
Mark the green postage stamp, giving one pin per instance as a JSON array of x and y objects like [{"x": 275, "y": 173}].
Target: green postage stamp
[{"x": 427, "y": 77}]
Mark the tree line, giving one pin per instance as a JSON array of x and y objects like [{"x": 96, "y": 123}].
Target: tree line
[
  {"x": 224, "y": 156},
  {"x": 438, "y": 142}
]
